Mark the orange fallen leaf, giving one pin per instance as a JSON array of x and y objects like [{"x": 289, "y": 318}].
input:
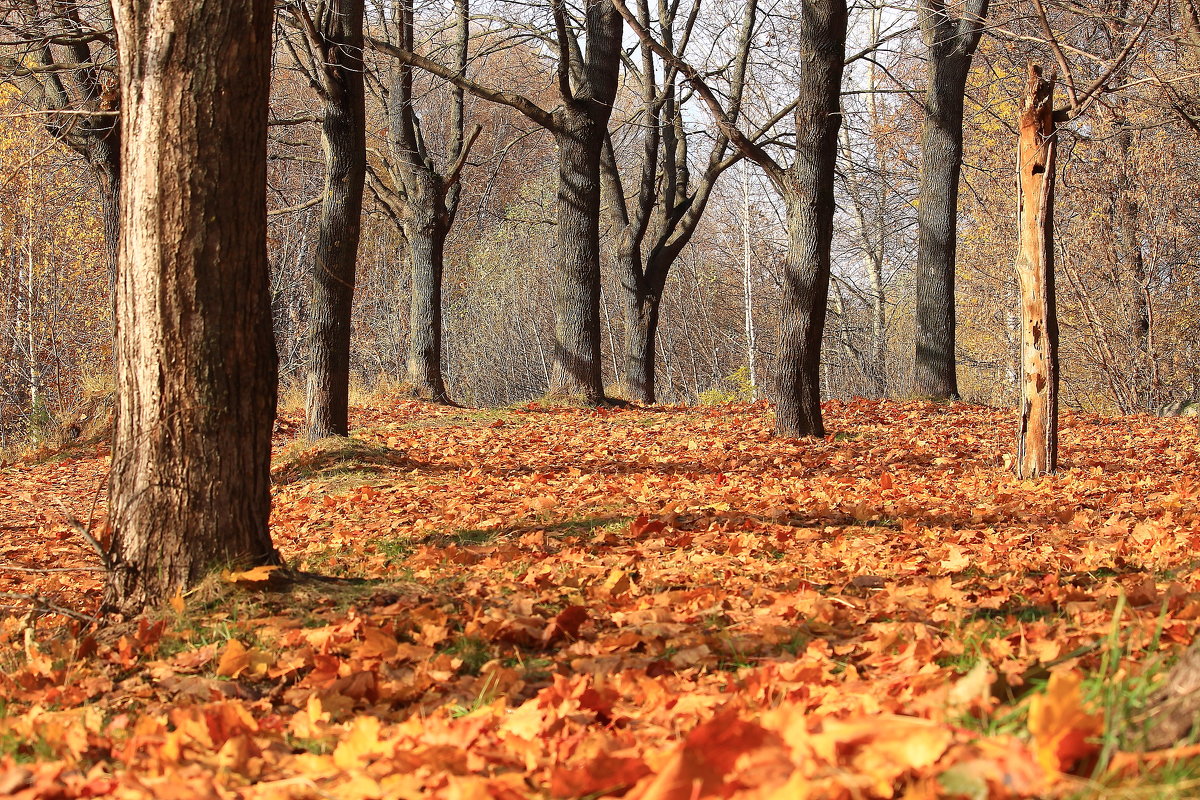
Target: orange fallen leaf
[
  {"x": 254, "y": 575},
  {"x": 237, "y": 659},
  {"x": 1060, "y": 724},
  {"x": 604, "y": 774}
]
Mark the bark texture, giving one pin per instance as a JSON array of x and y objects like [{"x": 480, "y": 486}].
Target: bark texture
[
  {"x": 195, "y": 356},
  {"x": 950, "y": 45},
  {"x": 426, "y": 238},
  {"x": 808, "y": 192},
  {"x": 588, "y": 87},
  {"x": 577, "y": 365},
  {"x": 337, "y": 38},
  {"x": 1037, "y": 438},
  {"x": 641, "y": 309}
]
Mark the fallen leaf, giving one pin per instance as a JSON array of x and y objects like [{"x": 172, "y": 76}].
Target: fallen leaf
[{"x": 1060, "y": 724}]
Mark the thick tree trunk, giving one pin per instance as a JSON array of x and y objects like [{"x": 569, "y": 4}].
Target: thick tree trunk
[
  {"x": 343, "y": 138},
  {"x": 579, "y": 128},
  {"x": 641, "y": 307},
  {"x": 577, "y": 364},
  {"x": 426, "y": 246},
  {"x": 1037, "y": 440},
  {"x": 427, "y": 201},
  {"x": 937, "y": 228},
  {"x": 950, "y": 44},
  {"x": 810, "y": 208},
  {"x": 196, "y": 362}
]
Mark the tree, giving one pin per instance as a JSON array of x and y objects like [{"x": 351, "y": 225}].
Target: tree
[
  {"x": 60, "y": 55},
  {"x": 950, "y": 44},
  {"x": 195, "y": 357},
  {"x": 422, "y": 197},
  {"x": 806, "y": 187},
  {"x": 1037, "y": 438},
  {"x": 1037, "y": 441},
  {"x": 332, "y": 33},
  {"x": 653, "y": 227},
  {"x": 586, "y": 83}
]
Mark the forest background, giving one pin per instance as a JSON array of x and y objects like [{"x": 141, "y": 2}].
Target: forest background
[{"x": 1126, "y": 215}]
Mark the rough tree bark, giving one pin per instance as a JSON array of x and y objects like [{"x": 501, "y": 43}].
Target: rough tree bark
[
  {"x": 423, "y": 198},
  {"x": 195, "y": 356},
  {"x": 951, "y": 43},
  {"x": 587, "y": 83},
  {"x": 1037, "y": 438},
  {"x": 578, "y": 137},
  {"x": 335, "y": 72},
  {"x": 807, "y": 191}
]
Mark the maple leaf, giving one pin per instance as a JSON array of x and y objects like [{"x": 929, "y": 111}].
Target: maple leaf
[
  {"x": 643, "y": 526},
  {"x": 704, "y": 760},
  {"x": 377, "y": 643},
  {"x": 605, "y": 774},
  {"x": 362, "y": 742},
  {"x": 260, "y": 574},
  {"x": 723, "y": 598},
  {"x": 565, "y": 625},
  {"x": 1060, "y": 724},
  {"x": 617, "y": 583},
  {"x": 237, "y": 659}
]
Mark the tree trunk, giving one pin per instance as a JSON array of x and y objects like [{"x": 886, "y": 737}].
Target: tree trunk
[
  {"x": 343, "y": 138},
  {"x": 1129, "y": 245},
  {"x": 426, "y": 198},
  {"x": 810, "y": 208},
  {"x": 106, "y": 164},
  {"x": 577, "y": 364},
  {"x": 426, "y": 246},
  {"x": 1037, "y": 442},
  {"x": 579, "y": 127},
  {"x": 879, "y": 345},
  {"x": 950, "y": 43},
  {"x": 195, "y": 356},
  {"x": 641, "y": 328}
]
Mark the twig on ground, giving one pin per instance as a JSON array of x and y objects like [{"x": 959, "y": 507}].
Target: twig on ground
[
  {"x": 42, "y": 604},
  {"x": 84, "y": 529},
  {"x": 47, "y": 570}
]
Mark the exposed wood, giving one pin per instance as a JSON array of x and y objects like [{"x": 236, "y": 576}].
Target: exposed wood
[{"x": 1037, "y": 438}]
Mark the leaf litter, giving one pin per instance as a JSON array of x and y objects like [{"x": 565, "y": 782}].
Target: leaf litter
[{"x": 646, "y": 603}]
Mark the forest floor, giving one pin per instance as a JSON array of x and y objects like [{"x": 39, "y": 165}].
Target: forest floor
[{"x": 665, "y": 603}]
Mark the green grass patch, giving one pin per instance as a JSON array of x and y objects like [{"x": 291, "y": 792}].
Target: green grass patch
[
  {"x": 26, "y": 751},
  {"x": 1176, "y": 780},
  {"x": 473, "y": 652}
]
